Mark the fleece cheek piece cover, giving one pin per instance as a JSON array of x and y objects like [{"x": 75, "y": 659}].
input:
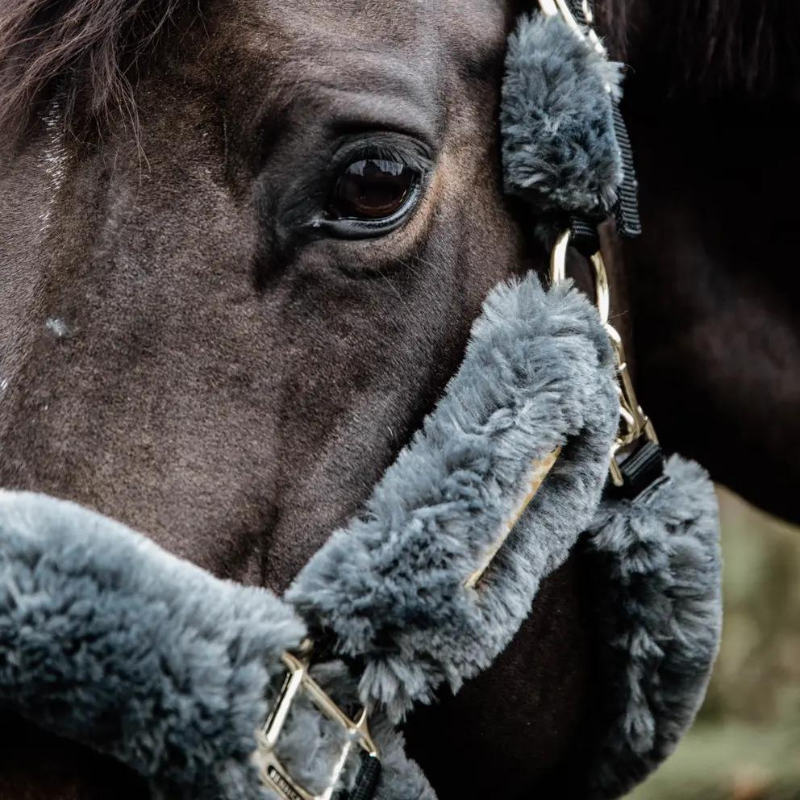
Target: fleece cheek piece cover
[
  {"x": 657, "y": 582},
  {"x": 559, "y": 146}
]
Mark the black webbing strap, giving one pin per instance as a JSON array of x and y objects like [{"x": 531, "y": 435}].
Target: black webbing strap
[
  {"x": 641, "y": 470},
  {"x": 366, "y": 781},
  {"x": 626, "y": 209},
  {"x": 583, "y": 234}
]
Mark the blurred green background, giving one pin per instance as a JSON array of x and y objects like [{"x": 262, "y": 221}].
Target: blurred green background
[{"x": 745, "y": 744}]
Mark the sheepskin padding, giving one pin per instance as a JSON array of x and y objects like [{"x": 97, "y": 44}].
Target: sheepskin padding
[
  {"x": 559, "y": 147},
  {"x": 658, "y": 592},
  {"x": 389, "y": 587},
  {"x": 110, "y": 641}
]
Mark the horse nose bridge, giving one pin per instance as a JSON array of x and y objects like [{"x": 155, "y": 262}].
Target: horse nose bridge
[
  {"x": 163, "y": 426},
  {"x": 201, "y": 489}
]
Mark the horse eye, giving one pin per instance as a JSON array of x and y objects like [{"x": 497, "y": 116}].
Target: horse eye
[{"x": 372, "y": 189}]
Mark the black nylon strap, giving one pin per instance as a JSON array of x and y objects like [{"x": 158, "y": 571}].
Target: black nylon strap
[
  {"x": 583, "y": 235},
  {"x": 641, "y": 470},
  {"x": 366, "y": 781},
  {"x": 626, "y": 209}
]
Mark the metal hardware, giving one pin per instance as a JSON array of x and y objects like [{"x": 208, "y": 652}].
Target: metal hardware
[
  {"x": 561, "y": 8},
  {"x": 558, "y": 274},
  {"x": 274, "y": 774},
  {"x": 540, "y": 469},
  {"x": 634, "y": 423}
]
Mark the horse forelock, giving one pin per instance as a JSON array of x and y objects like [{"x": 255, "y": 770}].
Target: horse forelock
[
  {"x": 89, "y": 48},
  {"x": 85, "y": 47}
]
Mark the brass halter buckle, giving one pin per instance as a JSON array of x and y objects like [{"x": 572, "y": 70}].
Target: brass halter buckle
[
  {"x": 634, "y": 423},
  {"x": 274, "y": 774}
]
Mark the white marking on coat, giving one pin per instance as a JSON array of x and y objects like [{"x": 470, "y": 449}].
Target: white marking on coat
[
  {"x": 57, "y": 327},
  {"x": 55, "y": 158}
]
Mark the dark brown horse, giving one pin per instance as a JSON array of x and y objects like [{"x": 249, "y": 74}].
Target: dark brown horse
[{"x": 192, "y": 341}]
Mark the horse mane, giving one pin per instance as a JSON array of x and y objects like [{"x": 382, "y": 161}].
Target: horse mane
[
  {"x": 86, "y": 47},
  {"x": 751, "y": 47}
]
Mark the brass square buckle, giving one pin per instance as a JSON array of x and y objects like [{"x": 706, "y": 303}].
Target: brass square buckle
[{"x": 274, "y": 774}]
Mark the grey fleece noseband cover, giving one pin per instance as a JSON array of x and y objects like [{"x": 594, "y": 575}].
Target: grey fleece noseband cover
[
  {"x": 537, "y": 375},
  {"x": 108, "y": 640}
]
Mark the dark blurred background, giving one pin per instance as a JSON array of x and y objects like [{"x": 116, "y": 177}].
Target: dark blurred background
[{"x": 746, "y": 742}]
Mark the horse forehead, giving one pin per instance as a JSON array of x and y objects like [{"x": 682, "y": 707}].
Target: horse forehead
[
  {"x": 401, "y": 63},
  {"x": 415, "y": 34},
  {"x": 361, "y": 24},
  {"x": 394, "y": 20}
]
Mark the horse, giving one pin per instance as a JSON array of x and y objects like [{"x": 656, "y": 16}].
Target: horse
[
  {"x": 709, "y": 101},
  {"x": 196, "y": 340}
]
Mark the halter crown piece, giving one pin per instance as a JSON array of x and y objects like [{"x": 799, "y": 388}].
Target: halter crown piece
[{"x": 213, "y": 691}]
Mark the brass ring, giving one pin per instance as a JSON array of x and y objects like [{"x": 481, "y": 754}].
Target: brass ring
[{"x": 558, "y": 273}]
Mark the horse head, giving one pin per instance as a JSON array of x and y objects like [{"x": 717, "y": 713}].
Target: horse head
[
  {"x": 242, "y": 249},
  {"x": 228, "y": 307}
]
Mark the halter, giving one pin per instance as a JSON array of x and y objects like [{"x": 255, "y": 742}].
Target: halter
[
  {"x": 432, "y": 580},
  {"x": 635, "y": 464}
]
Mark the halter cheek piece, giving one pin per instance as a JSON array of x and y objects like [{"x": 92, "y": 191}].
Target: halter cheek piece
[{"x": 538, "y": 448}]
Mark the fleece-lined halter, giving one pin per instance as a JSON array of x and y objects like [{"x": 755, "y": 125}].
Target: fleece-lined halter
[{"x": 214, "y": 691}]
